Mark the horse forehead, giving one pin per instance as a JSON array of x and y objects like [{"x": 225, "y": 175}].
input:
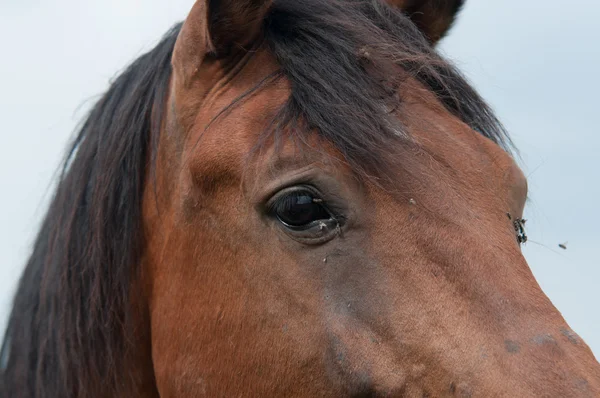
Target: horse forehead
[
  {"x": 218, "y": 140},
  {"x": 454, "y": 144},
  {"x": 217, "y": 85},
  {"x": 221, "y": 146}
]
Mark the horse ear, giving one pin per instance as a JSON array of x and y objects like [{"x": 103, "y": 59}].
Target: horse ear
[
  {"x": 215, "y": 28},
  {"x": 433, "y": 17}
]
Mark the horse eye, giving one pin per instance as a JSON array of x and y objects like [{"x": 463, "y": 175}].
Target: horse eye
[{"x": 300, "y": 209}]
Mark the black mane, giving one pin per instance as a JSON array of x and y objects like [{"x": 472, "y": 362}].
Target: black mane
[
  {"x": 342, "y": 58},
  {"x": 69, "y": 325},
  {"x": 65, "y": 334}
]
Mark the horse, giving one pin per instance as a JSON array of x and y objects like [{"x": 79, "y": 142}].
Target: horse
[{"x": 290, "y": 198}]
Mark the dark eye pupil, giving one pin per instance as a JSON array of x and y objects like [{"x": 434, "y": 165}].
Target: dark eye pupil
[{"x": 300, "y": 209}]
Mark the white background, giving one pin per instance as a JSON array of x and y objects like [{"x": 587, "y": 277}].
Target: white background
[{"x": 537, "y": 62}]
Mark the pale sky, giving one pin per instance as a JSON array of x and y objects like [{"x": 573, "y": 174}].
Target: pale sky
[{"x": 535, "y": 61}]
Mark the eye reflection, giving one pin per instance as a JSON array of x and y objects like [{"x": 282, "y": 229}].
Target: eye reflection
[{"x": 300, "y": 209}]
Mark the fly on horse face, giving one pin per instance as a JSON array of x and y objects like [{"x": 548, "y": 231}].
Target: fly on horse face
[{"x": 290, "y": 198}]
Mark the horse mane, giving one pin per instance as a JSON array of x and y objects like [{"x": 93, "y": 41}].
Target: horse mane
[
  {"x": 346, "y": 60},
  {"x": 65, "y": 334},
  {"x": 70, "y": 325}
]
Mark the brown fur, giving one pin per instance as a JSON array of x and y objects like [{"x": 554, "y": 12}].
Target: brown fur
[
  {"x": 415, "y": 299},
  {"x": 422, "y": 291}
]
